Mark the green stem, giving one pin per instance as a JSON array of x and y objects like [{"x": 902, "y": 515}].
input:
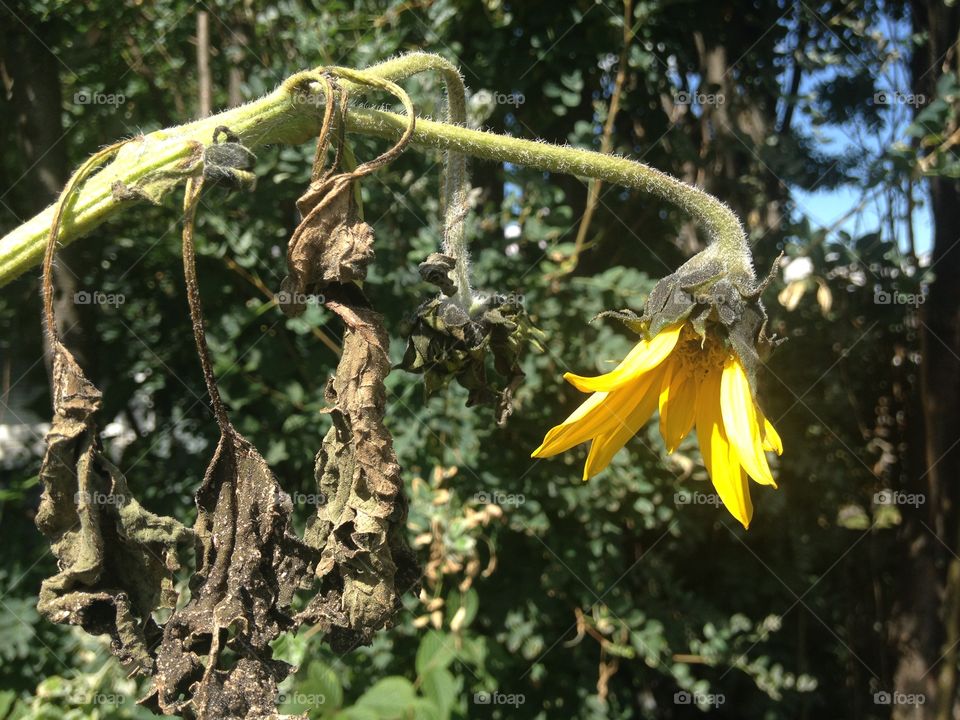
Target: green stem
[
  {"x": 151, "y": 165},
  {"x": 720, "y": 223}
]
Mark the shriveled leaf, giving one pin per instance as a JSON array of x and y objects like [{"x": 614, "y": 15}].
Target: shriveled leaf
[
  {"x": 446, "y": 342},
  {"x": 366, "y": 564},
  {"x": 116, "y": 559},
  {"x": 331, "y": 244},
  {"x": 249, "y": 565}
]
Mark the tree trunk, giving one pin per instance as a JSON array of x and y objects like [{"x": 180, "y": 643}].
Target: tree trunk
[
  {"x": 36, "y": 105},
  {"x": 204, "y": 81},
  {"x": 927, "y": 631}
]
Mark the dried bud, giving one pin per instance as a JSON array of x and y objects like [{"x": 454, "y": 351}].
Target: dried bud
[
  {"x": 228, "y": 162},
  {"x": 438, "y": 270},
  {"x": 448, "y": 342}
]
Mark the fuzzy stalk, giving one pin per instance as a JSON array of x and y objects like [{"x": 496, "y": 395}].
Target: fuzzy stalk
[{"x": 152, "y": 165}]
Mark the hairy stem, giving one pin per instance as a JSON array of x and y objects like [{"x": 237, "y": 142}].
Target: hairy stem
[
  {"x": 149, "y": 166},
  {"x": 456, "y": 185},
  {"x": 719, "y": 222}
]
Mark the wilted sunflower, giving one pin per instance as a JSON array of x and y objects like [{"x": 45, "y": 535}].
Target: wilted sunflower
[{"x": 698, "y": 371}]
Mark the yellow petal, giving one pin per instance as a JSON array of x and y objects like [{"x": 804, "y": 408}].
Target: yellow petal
[
  {"x": 600, "y": 412},
  {"x": 678, "y": 398},
  {"x": 556, "y": 432},
  {"x": 606, "y": 445},
  {"x": 769, "y": 435},
  {"x": 719, "y": 456},
  {"x": 644, "y": 357},
  {"x": 740, "y": 422}
]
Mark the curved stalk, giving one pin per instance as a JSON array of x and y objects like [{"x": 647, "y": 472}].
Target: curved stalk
[
  {"x": 150, "y": 166},
  {"x": 719, "y": 221}
]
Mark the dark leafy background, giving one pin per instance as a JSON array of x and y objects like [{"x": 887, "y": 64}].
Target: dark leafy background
[{"x": 563, "y": 599}]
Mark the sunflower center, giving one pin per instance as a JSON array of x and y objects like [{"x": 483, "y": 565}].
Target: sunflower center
[{"x": 697, "y": 356}]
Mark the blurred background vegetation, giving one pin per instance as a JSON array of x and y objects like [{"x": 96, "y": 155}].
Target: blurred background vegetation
[{"x": 830, "y": 127}]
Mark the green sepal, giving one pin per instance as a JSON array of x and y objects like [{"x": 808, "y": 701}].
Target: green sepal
[{"x": 712, "y": 299}]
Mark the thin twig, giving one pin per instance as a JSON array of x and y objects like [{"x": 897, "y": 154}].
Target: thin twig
[{"x": 606, "y": 143}]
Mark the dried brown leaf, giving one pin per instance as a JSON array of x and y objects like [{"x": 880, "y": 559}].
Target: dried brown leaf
[
  {"x": 116, "y": 560},
  {"x": 249, "y": 565},
  {"x": 331, "y": 244},
  {"x": 366, "y": 564}
]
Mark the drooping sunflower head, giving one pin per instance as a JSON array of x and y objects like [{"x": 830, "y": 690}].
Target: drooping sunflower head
[{"x": 698, "y": 368}]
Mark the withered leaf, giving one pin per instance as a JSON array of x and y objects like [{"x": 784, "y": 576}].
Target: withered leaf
[
  {"x": 215, "y": 659},
  {"x": 445, "y": 342},
  {"x": 331, "y": 244},
  {"x": 249, "y": 565},
  {"x": 366, "y": 564},
  {"x": 116, "y": 559}
]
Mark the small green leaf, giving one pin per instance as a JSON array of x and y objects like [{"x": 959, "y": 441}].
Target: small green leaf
[
  {"x": 389, "y": 698},
  {"x": 436, "y": 651},
  {"x": 323, "y": 682},
  {"x": 440, "y": 687},
  {"x": 423, "y": 710}
]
